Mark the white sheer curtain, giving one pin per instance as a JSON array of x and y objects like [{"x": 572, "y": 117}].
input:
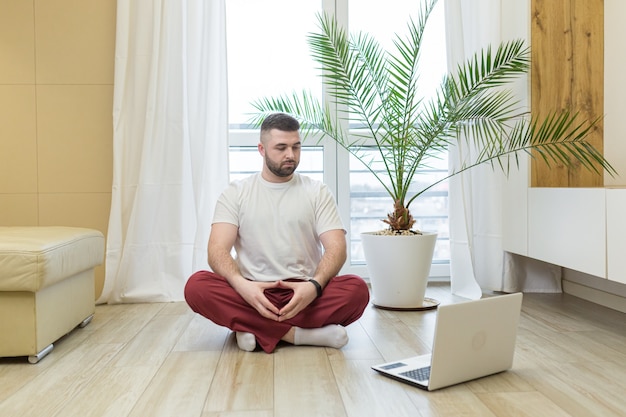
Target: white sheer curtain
[
  {"x": 170, "y": 145},
  {"x": 478, "y": 203},
  {"x": 476, "y": 196}
]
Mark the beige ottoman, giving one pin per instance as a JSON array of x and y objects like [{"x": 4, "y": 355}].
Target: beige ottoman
[{"x": 46, "y": 286}]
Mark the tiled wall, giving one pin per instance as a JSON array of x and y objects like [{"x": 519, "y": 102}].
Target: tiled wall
[{"x": 56, "y": 94}]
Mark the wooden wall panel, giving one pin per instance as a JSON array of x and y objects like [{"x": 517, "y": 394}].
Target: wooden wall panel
[{"x": 567, "y": 38}]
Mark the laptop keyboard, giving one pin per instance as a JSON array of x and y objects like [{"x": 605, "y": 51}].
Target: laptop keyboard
[{"x": 420, "y": 374}]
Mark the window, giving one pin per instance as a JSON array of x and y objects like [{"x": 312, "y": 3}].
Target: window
[
  {"x": 267, "y": 52},
  {"x": 268, "y": 55}
]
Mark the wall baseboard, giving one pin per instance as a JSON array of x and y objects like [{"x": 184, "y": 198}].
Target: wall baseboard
[{"x": 603, "y": 298}]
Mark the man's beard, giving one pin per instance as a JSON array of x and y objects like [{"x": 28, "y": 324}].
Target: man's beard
[{"x": 279, "y": 170}]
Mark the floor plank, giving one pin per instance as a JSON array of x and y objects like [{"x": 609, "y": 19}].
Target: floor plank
[
  {"x": 161, "y": 359},
  {"x": 113, "y": 392},
  {"x": 305, "y": 384},
  {"x": 243, "y": 381},
  {"x": 366, "y": 394},
  {"x": 179, "y": 387}
]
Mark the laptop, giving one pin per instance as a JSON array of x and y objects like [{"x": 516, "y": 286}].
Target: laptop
[{"x": 472, "y": 339}]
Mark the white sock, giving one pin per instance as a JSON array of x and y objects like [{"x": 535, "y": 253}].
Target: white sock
[
  {"x": 333, "y": 335},
  {"x": 246, "y": 341}
]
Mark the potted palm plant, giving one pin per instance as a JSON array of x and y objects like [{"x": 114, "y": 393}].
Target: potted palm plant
[{"x": 378, "y": 90}]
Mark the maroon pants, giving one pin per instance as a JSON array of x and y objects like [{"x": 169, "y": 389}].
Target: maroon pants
[{"x": 343, "y": 301}]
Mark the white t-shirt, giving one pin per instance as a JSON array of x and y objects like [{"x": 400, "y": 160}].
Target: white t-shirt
[{"x": 279, "y": 225}]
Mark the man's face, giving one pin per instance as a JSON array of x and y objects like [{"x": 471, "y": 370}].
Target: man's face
[{"x": 281, "y": 152}]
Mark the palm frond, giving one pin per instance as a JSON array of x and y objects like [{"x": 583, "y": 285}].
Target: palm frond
[
  {"x": 379, "y": 90},
  {"x": 559, "y": 139}
]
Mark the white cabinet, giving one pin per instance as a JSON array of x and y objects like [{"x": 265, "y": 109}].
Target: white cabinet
[
  {"x": 583, "y": 229},
  {"x": 616, "y": 234},
  {"x": 567, "y": 227}
]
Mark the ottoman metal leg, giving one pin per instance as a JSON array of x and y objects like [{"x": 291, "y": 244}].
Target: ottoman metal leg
[
  {"x": 86, "y": 321},
  {"x": 36, "y": 358}
]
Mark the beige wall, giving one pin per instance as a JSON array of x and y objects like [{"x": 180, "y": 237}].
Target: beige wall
[{"x": 56, "y": 94}]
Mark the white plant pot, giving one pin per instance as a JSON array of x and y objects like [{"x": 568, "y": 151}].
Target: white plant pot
[{"x": 399, "y": 267}]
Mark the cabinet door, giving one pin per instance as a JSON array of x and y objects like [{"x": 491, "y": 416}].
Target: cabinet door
[
  {"x": 567, "y": 227},
  {"x": 616, "y": 234}
]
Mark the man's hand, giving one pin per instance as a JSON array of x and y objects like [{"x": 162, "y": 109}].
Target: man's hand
[
  {"x": 253, "y": 293},
  {"x": 303, "y": 294}
]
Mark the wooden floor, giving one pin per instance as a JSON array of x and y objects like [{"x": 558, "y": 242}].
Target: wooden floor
[{"x": 163, "y": 360}]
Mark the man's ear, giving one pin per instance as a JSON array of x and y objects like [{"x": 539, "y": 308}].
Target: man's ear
[{"x": 261, "y": 149}]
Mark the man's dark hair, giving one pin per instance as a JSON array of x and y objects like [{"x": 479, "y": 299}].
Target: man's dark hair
[{"x": 280, "y": 121}]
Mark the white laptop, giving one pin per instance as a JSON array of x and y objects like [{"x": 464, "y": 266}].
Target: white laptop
[{"x": 472, "y": 339}]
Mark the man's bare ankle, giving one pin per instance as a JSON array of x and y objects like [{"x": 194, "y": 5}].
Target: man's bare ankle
[{"x": 289, "y": 336}]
